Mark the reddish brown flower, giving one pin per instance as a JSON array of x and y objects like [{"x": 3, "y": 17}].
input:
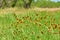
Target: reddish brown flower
[
  {"x": 27, "y": 17},
  {"x": 16, "y": 24},
  {"x": 17, "y": 29},
  {"x": 54, "y": 26},
  {"x": 42, "y": 32},
  {"x": 39, "y": 24},
  {"x": 59, "y": 28},
  {"x": 31, "y": 21},
  {"x": 49, "y": 28},
  {"x": 17, "y": 19},
  {"x": 59, "y": 32},
  {"x": 41, "y": 18},
  {"x": 45, "y": 17},
  {"x": 20, "y": 21},
  {"x": 38, "y": 37},
  {"x": 37, "y": 14},
  {"x": 30, "y": 18},
  {"x": 33, "y": 32},
  {"x": 11, "y": 24},
  {"x": 46, "y": 23},
  {"x": 35, "y": 22},
  {"x": 53, "y": 19},
  {"x": 14, "y": 32},
  {"x": 15, "y": 15}
]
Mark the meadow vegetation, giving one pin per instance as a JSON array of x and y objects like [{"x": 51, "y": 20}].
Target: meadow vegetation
[
  {"x": 35, "y": 25},
  {"x": 29, "y": 20}
]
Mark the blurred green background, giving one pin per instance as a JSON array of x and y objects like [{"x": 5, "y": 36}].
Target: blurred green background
[{"x": 34, "y": 3}]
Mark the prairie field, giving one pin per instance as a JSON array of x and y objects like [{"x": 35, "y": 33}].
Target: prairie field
[{"x": 29, "y": 24}]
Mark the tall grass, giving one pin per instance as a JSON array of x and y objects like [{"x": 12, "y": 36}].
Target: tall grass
[{"x": 32, "y": 26}]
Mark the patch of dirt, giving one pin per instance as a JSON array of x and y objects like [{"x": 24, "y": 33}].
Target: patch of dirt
[
  {"x": 23, "y": 11},
  {"x": 47, "y": 9}
]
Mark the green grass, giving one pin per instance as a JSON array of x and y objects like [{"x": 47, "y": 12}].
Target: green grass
[{"x": 32, "y": 26}]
